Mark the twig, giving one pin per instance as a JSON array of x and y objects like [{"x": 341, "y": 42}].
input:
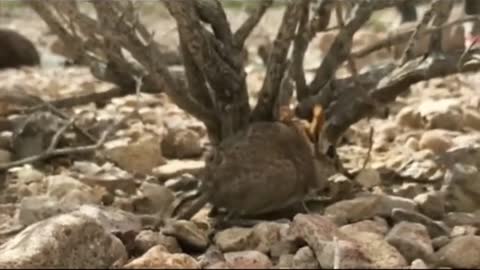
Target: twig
[
  {"x": 59, "y": 113},
  {"x": 198, "y": 203},
  {"x": 277, "y": 61},
  {"x": 58, "y": 135},
  {"x": 300, "y": 46},
  {"x": 409, "y": 51},
  {"x": 36, "y": 103},
  {"x": 341, "y": 23},
  {"x": 403, "y": 36},
  {"x": 442, "y": 13},
  {"x": 218, "y": 63},
  {"x": 370, "y": 146},
  {"x": 341, "y": 46},
  {"x": 67, "y": 150},
  {"x": 138, "y": 88},
  {"x": 352, "y": 102},
  {"x": 249, "y": 24}
]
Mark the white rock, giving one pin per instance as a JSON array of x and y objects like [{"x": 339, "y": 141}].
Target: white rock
[
  {"x": 368, "y": 178},
  {"x": 65, "y": 241},
  {"x": 435, "y": 140}
]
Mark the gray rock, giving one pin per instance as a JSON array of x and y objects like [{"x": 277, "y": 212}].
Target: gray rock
[
  {"x": 28, "y": 175},
  {"x": 453, "y": 219},
  {"x": 126, "y": 204},
  {"x": 442, "y": 113},
  {"x": 319, "y": 233},
  {"x": 368, "y": 178},
  {"x": 37, "y": 208},
  {"x": 155, "y": 199},
  {"x": 431, "y": 204},
  {"x": 181, "y": 143},
  {"x": 69, "y": 190},
  {"x": 409, "y": 117},
  {"x": 412, "y": 240},
  {"x": 147, "y": 239},
  {"x": 112, "y": 183},
  {"x": 5, "y": 156},
  {"x": 212, "y": 258},
  {"x": 365, "y": 226},
  {"x": 333, "y": 248},
  {"x": 183, "y": 182},
  {"x": 471, "y": 119},
  {"x": 315, "y": 230},
  {"x": 282, "y": 248},
  {"x": 436, "y": 141},
  {"x": 440, "y": 241},
  {"x": 463, "y": 230},
  {"x": 461, "y": 252},
  {"x": 355, "y": 209},
  {"x": 366, "y": 207},
  {"x": 140, "y": 156},
  {"x": 268, "y": 234},
  {"x": 387, "y": 203},
  {"x": 158, "y": 257},
  {"x": 187, "y": 233},
  {"x": 236, "y": 239},
  {"x": 305, "y": 259},
  {"x": 434, "y": 228},
  {"x": 463, "y": 187},
  {"x": 340, "y": 186},
  {"x": 112, "y": 219},
  {"x": 468, "y": 155},
  {"x": 408, "y": 190},
  {"x": 247, "y": 259},
  {"x": 64, "y": 241},
  {"x": 285, "y": 262},
  {"x": 418, "y": 264},
  {"x": 176, "y": 167},
  {"x": 343, "y": 254},
  {"x": 381, "y": 253}
]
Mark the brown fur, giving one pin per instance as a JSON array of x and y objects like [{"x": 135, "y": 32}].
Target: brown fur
[
  {"x": 16, "y": 50},
  {"x": 266, "y": 167}
]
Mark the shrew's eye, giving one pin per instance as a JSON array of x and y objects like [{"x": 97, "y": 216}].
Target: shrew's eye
[{"x": 331, "y": 152}]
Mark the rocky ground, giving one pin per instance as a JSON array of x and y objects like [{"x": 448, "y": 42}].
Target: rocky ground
[{"x": 415, "y": 205}]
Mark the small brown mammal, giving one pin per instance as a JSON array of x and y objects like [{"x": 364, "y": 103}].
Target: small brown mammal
[
  {"x": 16, "y": 50},
  {"x": 267, "y": 167}
]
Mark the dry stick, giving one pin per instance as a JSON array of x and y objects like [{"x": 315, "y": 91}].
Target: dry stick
[
  {"x": 341, "y": 23},
  {"x": 441, "y": 15},
  {"x": 386, "y": 92},
  {"x": 58, "y": 135},
  {"x": 88, "y": 98},
  {"x": 300, "y": 46},
  {"x": 20, "y": 97},
  {"x": 57, "y": 112},
  {"x": 277, "y": 62},
  {"x": 465, "y": 53},
  {"x": 340, "y": 49},
  {"x": 249, "y": 24},
  {"x": 138, "y": 88},
  {"x": 409, "y": 51},
  {"x": 65, "y": 151},
  {"x": 400, "y": 37},
  {"x": 221, "y": 69},
  {"x": 370, "y": 145},
  {"x": 198, "y": 204}
]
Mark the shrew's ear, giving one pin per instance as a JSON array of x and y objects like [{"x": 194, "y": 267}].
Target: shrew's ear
[{"x": 317, "y": 123}]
